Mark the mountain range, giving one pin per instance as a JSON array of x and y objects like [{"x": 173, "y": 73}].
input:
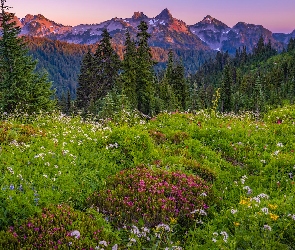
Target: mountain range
[{"x": 166, "y": 32}]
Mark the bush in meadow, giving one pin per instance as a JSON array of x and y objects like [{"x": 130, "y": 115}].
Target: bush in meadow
[
  {"x": 152, "y": 197},
  {"x": 128, "y": 146},
  {"x": 60, "y": 227},
  {"x": 18, "y": 133}
]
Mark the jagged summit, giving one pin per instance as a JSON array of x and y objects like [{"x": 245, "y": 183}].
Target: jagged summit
[
  {"x": 164, "y": 15},
  {"x": 139, "y": 15},
  {"x": 208, "y": 19}
]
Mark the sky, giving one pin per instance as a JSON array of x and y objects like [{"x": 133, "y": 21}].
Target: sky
[{"x": 275, "y": 15}]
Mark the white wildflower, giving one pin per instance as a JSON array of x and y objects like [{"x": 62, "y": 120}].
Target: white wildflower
[
  {"x": 233, "y": 211},
  {"x": 262, "y": 195},
  {"x": 267, "y": 227},
  {"x": 76, "y": 234},
  {"x": 264, "y": 210},
  {"x": 132, "y": 239},
  {"x": 225, "y": 236},
  {"x": 10, "y": 170},
  {"x": 103, "y": 242},
  {"x": 257, "y": 199}
]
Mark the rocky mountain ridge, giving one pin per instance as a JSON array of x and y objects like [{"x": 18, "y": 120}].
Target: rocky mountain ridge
[{"x": 166, "y": 32}]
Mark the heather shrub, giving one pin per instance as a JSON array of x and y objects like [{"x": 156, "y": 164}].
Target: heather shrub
[
  {"x": 60, "y": 227},
  {"x": 17, "y": 133},
  {"x": 178, "y": 137},
  {"x": 152, "y": 197},
  {"x": 157, "y": 136}
]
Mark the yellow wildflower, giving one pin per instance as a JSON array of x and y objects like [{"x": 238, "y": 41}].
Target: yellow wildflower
[
  {"x": 273, "y": 216},
  {"x": 245, "y": 202},
  {"x": 273, "y": 207},
  {"x": 236, "y": 224},
  {"x": 173, "y": 220}
]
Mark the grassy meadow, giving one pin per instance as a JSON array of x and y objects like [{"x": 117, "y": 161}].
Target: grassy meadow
[{"x": 179, "y": 181}]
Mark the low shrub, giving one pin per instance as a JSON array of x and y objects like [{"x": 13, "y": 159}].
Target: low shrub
[
  {"x": 179, "y": 137},
  {"x": 199, "y": 169},
  {"x": 17, "y": 133},
  {"x": 157, "y": 136},
  {"x": 152, "y": 197},
  {"x": 60, "y": 227}
]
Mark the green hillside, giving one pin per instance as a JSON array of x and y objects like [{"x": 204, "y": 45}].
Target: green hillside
[{"x": 181, "y": 180}]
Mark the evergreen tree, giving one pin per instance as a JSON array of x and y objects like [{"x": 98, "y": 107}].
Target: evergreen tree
[
  {"x": 85, "y": 87},
  {"x": 180, "y": 86},
  {"x": 258, "y": 95},
  {"x": 106, "y": 67},
  {"x": 128, "y": 75},
  {"x": 291, "y": 45},
  {"x": 225, "y": 94},
  {"x": 165, "y": 91},
  {"x": 20, "y": 86},
  {"x": 145, "y": 76},
  {"x": 69, "y": 102}
]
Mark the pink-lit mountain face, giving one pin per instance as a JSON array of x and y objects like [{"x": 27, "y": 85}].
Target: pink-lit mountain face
[
  {"x": 40, "y": 26},
  {"x": 166, "y": 32}
]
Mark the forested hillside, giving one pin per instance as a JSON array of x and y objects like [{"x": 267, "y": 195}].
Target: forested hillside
[
  {"x": 246, "y": 81},
  {"x": 62, "y": 60}
]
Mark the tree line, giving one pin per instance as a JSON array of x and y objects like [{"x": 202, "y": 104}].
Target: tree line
[
  {"x": 104, "y": 74},
  {"x": 247, "y": 81}
]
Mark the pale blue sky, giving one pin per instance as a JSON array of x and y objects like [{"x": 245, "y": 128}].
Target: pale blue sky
[{"x": 275, "y": 15}]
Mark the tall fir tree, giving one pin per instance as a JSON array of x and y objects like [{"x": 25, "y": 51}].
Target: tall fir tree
[
  {"x": 180, "y": 86},
  {"x": 145, "y": 75},
  {"x": 129, "y": 69},
  {"x": 20, "y": 86},
  {"x": 85, "y": 87},
  {"x": 225, "y": 95},
  {"x": 106, "y": 67}
]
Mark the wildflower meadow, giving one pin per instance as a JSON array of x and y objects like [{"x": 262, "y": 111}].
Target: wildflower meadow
[{"x": 200, "y": 180}]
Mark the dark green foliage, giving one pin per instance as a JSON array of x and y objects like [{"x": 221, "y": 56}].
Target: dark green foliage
[
  {"x": 247, "y": 81},
  {"x": 61, "y": 60},
  {"x": 85, "y": 95},
  {"x": 225, "y": 97},
  {"x": 129, "y": 67},
  {"x": 291, "y": 44},
  {"x": 145, "y": 77},
  {"x": 98, "y": 75},
  {"x": 20, "y": 87},
  {"x": 106, "y": 67},
  {"x": 173, "y": 88}
]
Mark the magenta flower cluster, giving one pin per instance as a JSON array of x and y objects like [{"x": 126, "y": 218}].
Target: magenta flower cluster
[
  {"x": 154, "y": 196},
  {"x": 57, "y": 227}
]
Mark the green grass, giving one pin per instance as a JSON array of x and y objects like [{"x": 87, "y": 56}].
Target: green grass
[{"x": 249, "y": 162}]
